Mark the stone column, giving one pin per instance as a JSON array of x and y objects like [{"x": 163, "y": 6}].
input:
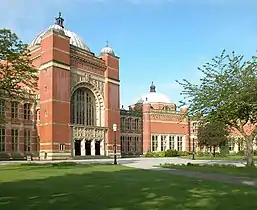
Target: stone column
[
  {"x": 167, "y": 142},
  {"x": 184, "y": 143},
  {"x": 102, "y": 148},
  {"x": 83, "y": 149},
  {"x": 176, "y": 142},
  {"x": 93, "y": 147}
]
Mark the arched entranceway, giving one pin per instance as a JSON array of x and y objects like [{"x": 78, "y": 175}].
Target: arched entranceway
[{"x": 86, "y": 126}]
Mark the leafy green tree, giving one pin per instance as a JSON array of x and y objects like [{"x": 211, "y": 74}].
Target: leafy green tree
[
  {"x": 18, "y": 78},
  {"x": 212, "y": 135},
  {"x": 227, "y": 93}
]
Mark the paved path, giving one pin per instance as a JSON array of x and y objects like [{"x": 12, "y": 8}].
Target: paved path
[
  {"x": 224, "y": 178},
  {"x": 153, "y": 163},
  {"x": 143, "y": 163}
]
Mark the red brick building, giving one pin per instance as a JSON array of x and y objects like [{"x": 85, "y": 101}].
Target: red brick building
[
  {"x": 160, "y": 126},
  {"x": 79, "y": 101}
]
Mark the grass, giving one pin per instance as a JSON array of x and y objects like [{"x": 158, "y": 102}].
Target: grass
[
  {"x": 109, "y": 187},
  {"x": 229, "y": 157},
  {"x": 215, "y": 168}
]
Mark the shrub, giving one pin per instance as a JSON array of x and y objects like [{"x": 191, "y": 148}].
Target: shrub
[
  {"x": 202, "y": 154},
  {"x": 17, "y": 156},
  {"x": 4, "y": 156},
  {"x": 183, "y": 153},
  {"x": 171, "y": 153},
  {"x": 149, "y": 154},
  {"x": 241, "y": 153},
  {"x": 255, "y": 152}
]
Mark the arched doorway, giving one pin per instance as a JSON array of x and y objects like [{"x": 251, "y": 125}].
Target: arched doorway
[{"x": 83, "y": 113}]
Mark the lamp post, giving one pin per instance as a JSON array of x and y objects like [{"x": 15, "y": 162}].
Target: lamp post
[
  {"x": 114, "y": 127},
  {"x": 193, "y": 158},
  {"x": 194, "y": 127}
]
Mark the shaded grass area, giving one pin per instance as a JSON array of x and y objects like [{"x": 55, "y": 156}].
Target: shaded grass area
[
  {"x": 109, "y": 187},
  {"x": 216, "y": 168},
  {"x": 229, "y": 157}
]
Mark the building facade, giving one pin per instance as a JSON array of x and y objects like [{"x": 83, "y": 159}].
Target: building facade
[{"x": 77, "y": 103}]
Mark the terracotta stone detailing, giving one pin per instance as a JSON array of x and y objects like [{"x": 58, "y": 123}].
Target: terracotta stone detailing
[
  {"x": 87, "y": 77},
  {"x": 88, "y": 133}
]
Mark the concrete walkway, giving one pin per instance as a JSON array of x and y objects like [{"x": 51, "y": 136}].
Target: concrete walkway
[{"x": 224, "y": 178}]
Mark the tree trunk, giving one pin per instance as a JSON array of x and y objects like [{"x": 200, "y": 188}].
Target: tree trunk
[
  {"x": 213, "y": 151},
  {"x": 249, "y": 152}
]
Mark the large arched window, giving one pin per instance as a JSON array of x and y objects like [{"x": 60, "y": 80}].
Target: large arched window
[{"x": 83, "y": 107}]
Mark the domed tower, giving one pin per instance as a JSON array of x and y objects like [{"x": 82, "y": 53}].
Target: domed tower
[
  {"x": 112, "y": 93},
  {"x": 50, "y": 52}
]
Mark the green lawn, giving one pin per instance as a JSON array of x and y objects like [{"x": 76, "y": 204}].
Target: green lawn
[
  {"x": 232, "y": 170},
  {"x": 229, "y": 157},
  {"x": 108, "y": 187}
]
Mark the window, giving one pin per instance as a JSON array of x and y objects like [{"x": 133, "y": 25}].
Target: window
[
  {"x": 62, "y": 147},
  {"x": 122, "y": 123},
  {"x": 231, "y": 145},
  {"x": 2, "y": 108},
  {"x": 154, "y": 143},
  {"x": 15, "y": 140},
  {"x": 162, "y": 142},
  {"x": 122, "y": 143},
  {"x": 2, "y": 139},
  {"x": 194, "y": 127},
  {"x": 240, "y": 144},
  {"x": 171, "y": 142},
  {"x": 27, "y": 111},
  {"x": 129, "y": 124},
  {"x": 27, "y": 140},
  {"x": 179, "y": 138},
  {"x": 136, "y": 124},
  {"x": 14, "y": 109},
  {"x": 83, "y": 107},
  {"x": 128, "y": 144}
]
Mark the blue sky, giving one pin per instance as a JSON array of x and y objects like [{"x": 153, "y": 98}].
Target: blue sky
[{"x": 157, "y": 40}]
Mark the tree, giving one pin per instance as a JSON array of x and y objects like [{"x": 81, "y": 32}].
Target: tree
[
  {"x": 227, "y": 93},
  {"x": 18, "y": 78},
  {"x": 212, "y": 134}
]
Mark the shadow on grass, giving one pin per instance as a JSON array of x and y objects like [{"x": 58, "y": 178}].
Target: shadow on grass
[{"x": 108, "y": 187}]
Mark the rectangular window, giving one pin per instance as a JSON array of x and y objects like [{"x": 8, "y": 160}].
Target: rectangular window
[
  {"x": 162, "y": 143},
  {"x": 154, "y": 143},
  {"x": 62, "y": 147},
  {"x": 129, "y": 124},
  {"x": 27, "y": 140},
  {"x": 27, "y": 111},
  {"x": 2, "y": 109},
  {"x": 136, "y": 124},
  {"x": 2, "y": 139},
  {"x": 179, "y": 138},
  {"x": 15, "y": 140},
  {"x": 122, "y": 123},
  {"x": 14, "y": 109},
  {"x": 122, "y": 143},
  {"x": 231, "y": 145},
  {"x": 171, "y": 142}
]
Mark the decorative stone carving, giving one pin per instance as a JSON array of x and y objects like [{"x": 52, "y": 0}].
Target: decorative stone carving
[
  {"x": 87, "y": 77},
  {"x": 96, "y": 133}
]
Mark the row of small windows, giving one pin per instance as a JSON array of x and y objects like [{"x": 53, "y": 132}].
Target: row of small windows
[
  {"x": 130, "y": 123},
  {"x": 131, "y": 144},
  {"x": 166, "y": 143},
  {"x": 15, "y": 110},
  {"x": 15, "y": 140}
]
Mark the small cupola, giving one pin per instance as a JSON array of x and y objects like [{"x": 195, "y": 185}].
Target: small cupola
[{"x": 107, "y": 50}]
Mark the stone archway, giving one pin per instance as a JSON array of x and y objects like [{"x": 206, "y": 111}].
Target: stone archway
[{"x": 91, "y": 137}]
